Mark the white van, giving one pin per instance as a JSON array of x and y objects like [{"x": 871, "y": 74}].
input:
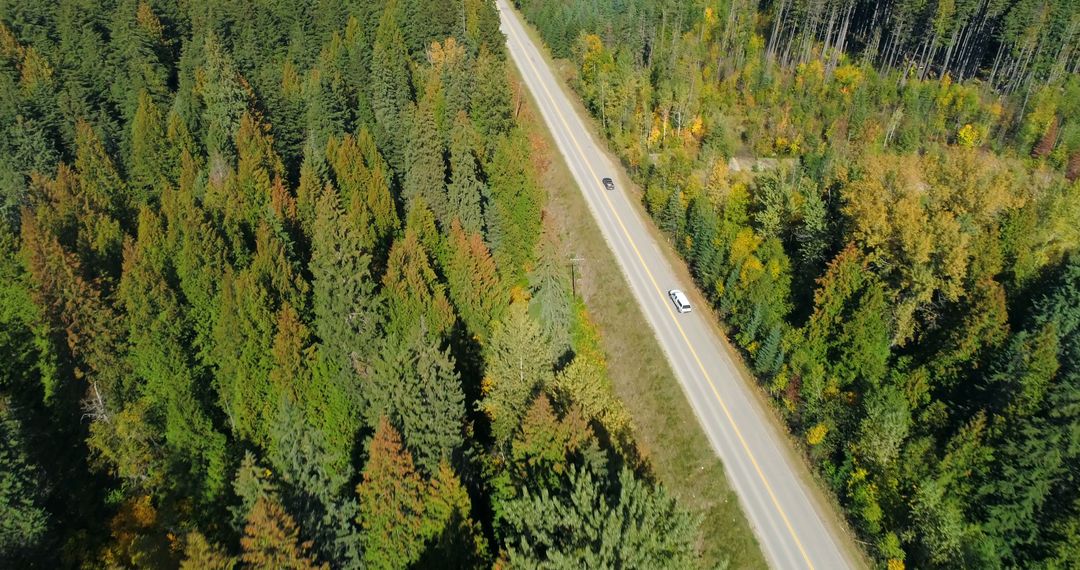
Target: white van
[{"x": 682, "y": 304}]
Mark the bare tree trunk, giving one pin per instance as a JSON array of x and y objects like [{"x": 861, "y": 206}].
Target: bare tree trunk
[
  {"x": 949, "y": 51},
  {"x": 774, "y": 37},
  {"x": 997, "y": 61},
  {"x": 838, "y": 49},
  {"x": 828, "y": 32}
]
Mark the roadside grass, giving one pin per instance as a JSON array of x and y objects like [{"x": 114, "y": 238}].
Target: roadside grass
[{"x": 666, "y": 429}]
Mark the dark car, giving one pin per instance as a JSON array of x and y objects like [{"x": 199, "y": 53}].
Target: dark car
[{"x": 608, "y": 184}]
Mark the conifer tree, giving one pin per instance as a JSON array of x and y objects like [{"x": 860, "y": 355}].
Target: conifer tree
[
  {"x": 585, "y": 523},
  {"x": 465, "y": 191},
  {"x": 363, "y": 179},
  {"x": 199, "y": 262},
  {"x": 225, "y": 95},
  {"x": 518, "y": 365},
  {"x": 425, "y": 173},
  {"x": 490, "y": 107},
  {"x": 313, "y": 479},
  {"x": 149, "y": 164},
  {"x": 390, "y": 84},
  {"x": 461, "y": 543},
  {"x": 160, "y": 359},
  {"x": 473, "y": 282},
  {"x": 415, "y": 385},
  {"x": 271, "y": 540},
  {"x": 513, "y": 211},
  {"x": 106, "y": 198},
  {"x": 392, "y": 503},
  {"x": 245, "y": 332},
  {"x": 414, "y": 297},
  {"x": 313, "y": 177},
  {"x": 25, "y": 521},
  {"x": 551, "y": 299},
  {"x": 200, "y": 554}
]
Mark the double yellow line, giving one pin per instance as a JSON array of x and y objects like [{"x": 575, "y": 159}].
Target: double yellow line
[{"x": 660, "y": 292}]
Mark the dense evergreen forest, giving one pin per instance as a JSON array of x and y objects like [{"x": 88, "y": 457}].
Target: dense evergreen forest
[
  {"x": 277, "y": 291},
  {"x": 881, "y": 200}
]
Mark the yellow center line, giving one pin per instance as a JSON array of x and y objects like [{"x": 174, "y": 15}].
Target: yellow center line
[{"x": 671, "y": 315}]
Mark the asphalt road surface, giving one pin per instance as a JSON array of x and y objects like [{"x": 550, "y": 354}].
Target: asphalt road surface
[{"x": 788, "y": 524}]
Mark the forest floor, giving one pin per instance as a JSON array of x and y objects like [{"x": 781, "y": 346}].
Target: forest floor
[{"x": 666, "y": 428}]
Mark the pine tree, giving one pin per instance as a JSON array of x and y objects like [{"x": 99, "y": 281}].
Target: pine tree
[
  {"x": 75, "y": 309},
  {"x": 107, "y": 202},
  {"x": 346, "y": 320},
  {"x": 244, "y": 335},
  {"x": 461, "y": 543},
  {"x": 136, "y": 47},
  {"x": 673, "y": 218},
  {"x": 518, "y": 365},
  {"x": 160, "y": 358},
  {"x": 313, "y": 177},
  {"x": 426, "y": 21},
  {"x": 551, "y": 298},
  {"x": 513, "y": 210},
  {"x": 199, "y": 554},
  {"x": 199, "y": 260},
  {"x": 585, "y": 523},
  {"x": 149, "y": 164},
  {"x": 25, "y": 522},
  {"x": 312, "y": 479},
  {"x": 482, "y": 27},
  {"x": 363, "y": 180},
  {"x": 453, "y": 67},
  {"x": 225, "y": 95},
  {"x": 293, "y": 355}
]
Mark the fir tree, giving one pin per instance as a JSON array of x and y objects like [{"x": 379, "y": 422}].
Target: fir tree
[
  {"x": 415, "y": 385},
  {"x": 272, "y": 540},
  {"x": 392, "y": 503},
  {"x": 465, "y": 191},
  {"x": 390, "y": 84},
  {"x": 518, "y": 365},
  {"x": 414, "y": 296},
  {"x": 473, "y": 282},
  {"x": 425, "y": 174}
]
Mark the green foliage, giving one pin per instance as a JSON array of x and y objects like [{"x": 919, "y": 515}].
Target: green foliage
[
  {"x": 392, "y": 503},
  {"x": 465, "y": 191},
  {"x": 236, "y": 241},
  {"x": 513, "y": 210},
  {"x": 473, "y": 282},
  {"x": 24, "y": 522},
  {"x": 881, "y": 209},
  {"x": 390, "y": 84},
  {"x": 411, "y": 374},
  {"x": 585, "y": 522},
  {"x": 519, "y": 365}
]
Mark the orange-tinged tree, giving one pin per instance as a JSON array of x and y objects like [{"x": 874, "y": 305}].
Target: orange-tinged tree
[
  {"x": 392, "y": 503},
  {"x": 473, "y": 282},
  {"x": 271, "y": 540}
]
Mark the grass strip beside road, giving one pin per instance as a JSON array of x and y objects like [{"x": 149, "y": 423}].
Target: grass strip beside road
[{"x": 666, "y": 429}]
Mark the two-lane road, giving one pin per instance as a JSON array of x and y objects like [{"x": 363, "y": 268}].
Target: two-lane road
[{"x": 788, "y": 523}]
